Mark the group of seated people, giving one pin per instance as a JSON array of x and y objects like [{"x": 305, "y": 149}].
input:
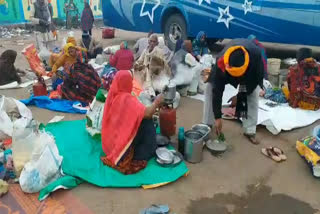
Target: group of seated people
[{"x": 128, "y": 134}]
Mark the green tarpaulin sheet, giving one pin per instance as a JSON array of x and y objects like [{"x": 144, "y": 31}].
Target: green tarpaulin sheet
[{"x": 81, "y": 162}]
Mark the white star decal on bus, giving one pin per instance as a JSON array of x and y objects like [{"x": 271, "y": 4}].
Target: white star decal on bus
[
  {"x": 247, "y": 6},
  {"x": 222, "y": 19},
  {"x": 147, "y": 13},
  {"x": 208, "y": 1}
]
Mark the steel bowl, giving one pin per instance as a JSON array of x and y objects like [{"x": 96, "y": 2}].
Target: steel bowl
[
  {"x": 162, "y": 140},
  {"x": 165, "y": 155}
]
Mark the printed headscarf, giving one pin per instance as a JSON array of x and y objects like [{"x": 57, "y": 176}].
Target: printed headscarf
[
  {"x": 72, "y": 40},
  {"x": 200, "y": 35},
  {"x": 66, "y": 48}
]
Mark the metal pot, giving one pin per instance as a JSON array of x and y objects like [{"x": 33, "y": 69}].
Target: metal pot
[
  {"x": 204, "y": 129},
  {"x": 169, "y": 93},
  {"x": 193, "y": 146}
]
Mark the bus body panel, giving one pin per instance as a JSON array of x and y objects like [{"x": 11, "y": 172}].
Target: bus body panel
[{"x": 280, "y": 21}]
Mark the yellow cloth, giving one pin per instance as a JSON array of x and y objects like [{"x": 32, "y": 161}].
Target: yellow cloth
[
  {"x": 286, "y": 92},
  {"x": 72, "y": 40},
  {"x": 236, "y": 71},
  {"x": 64, "y": 59},
  {"x": 306, "y": 152},
  {"x": 306, "y": 106}
]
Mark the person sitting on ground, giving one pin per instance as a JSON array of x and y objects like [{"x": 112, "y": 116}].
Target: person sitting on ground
[
  {"x": 8, "y": 72},
  {"x": 132, "y": 143},
  {"x": 141, "y": 45},
  {"x": 123, "y": 59},
  {"x": 87, "y": 19},
  {"x": 68, "y": 58},
  {"x": 178, "y": 63},
  {"x": 55, "y": 56},
  {"x": 200, "y": 45},
  {"x": 304, "y": 81},
  {"x": 81, "y": 82},
  {"x": 238, "y": 64},
  {"x": 155, "y": 69},
  {"x": 92, "y": 46}
]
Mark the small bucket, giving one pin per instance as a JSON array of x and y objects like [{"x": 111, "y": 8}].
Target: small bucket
[{"x": 193, "y": 147}]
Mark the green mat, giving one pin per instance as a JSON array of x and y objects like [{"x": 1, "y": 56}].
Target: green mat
[{"x": 81, "y": 162}]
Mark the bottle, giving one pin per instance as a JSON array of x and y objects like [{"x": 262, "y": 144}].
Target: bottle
[{"x": 181, "y": 140}]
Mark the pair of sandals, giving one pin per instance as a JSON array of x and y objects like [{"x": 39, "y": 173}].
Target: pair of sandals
[
  {"x": 156, "y": 209},
  {"x": 274, "y": 153}
]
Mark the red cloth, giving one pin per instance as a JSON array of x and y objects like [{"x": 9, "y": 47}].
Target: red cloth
[
  {"x": 122, "y": 116},
  {"x": 122, "y": 60}
]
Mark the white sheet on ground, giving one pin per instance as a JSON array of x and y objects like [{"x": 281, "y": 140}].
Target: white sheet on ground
[
  {"x": 15, "y": 84},
  {"x": 276, "y": 119}
]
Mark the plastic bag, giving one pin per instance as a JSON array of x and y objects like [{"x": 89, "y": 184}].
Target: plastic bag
[
  {"x": 190, "y": 60},
  {"x": 207, "y": 61},
  {"x": 44, "y": 166},
  {"x": 111, "y": 49},
  {"x": 11, "y": 111},
  {"x": 94, "y": 118},
  {"x": 24, "y": 140},
  {"x": 33, "y": 58},
  {"x": 309, "y": 149}
]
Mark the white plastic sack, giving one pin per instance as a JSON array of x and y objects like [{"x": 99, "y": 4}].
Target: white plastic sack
[
  {"x": 25, "y": 137},
  {"x": 10, "y": 110},
  {"x": 207, "y": 61},
  {"x": 44, "y": 166},
  {"x": 111, "y": 49},
  {"x": 185, "y": 73},
  {"x": 190, "y": 60}
]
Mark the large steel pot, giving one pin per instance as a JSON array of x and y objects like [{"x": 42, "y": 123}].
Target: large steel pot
[{"x": 193, "y": 147}]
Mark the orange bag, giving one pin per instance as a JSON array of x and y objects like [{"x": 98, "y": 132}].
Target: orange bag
[{"x": 33, "y": 58}]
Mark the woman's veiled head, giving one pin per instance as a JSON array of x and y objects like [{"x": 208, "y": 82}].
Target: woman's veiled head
[
  {"x": 9, "y": 56},
  {"x": 123, "y": 82},
  {"x": 124, "y": 45}
]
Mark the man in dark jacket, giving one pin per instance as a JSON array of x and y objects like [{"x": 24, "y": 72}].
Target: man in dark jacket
[
  {"x": 238, "y": 64},
  {"x": 87, "y": 19},
  {"x": 41, "y": 18}
]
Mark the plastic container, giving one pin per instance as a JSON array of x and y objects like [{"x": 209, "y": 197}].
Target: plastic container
[
  {"x": 40, "y": 88},
  {"x": 167, "y": 121},
  {"x": 274, "y": 66},
  {"x": 181, "y": 140}
]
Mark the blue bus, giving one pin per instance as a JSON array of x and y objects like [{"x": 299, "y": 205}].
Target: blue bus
[{"x": 279, "y": 21}]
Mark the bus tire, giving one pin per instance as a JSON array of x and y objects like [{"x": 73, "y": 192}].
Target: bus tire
[{"x": 175, "y": 26}]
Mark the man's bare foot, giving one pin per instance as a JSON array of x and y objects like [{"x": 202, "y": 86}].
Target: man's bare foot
[{"x": 252, "y": 138}]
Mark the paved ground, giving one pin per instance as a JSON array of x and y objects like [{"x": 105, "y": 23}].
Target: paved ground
[{"x": 241, "y": 181}]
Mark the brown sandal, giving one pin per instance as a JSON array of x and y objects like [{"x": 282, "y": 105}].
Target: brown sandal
[
  {"x": 279, "y": 152},
  {"x": 271, "y": 154},
  {"x": 252, "y": 138}
]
